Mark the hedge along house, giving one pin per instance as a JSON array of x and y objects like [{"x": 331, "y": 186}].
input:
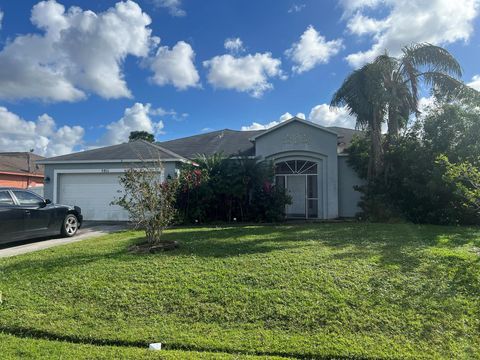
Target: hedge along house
[{"x": 309, "y": 162}]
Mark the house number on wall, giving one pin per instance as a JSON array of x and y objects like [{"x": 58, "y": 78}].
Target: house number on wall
[{"x": 296, "y": 139}]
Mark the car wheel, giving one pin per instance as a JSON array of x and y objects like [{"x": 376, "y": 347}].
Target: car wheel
[{"x": 70, "y": 225}]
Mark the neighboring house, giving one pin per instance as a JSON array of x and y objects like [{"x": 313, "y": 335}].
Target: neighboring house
[
  {"x": 19, "y": 169},
  {"x": 309, "y": 161}
]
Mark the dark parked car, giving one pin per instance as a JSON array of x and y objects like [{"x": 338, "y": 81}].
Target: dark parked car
[{"x": 25, "y": 215}]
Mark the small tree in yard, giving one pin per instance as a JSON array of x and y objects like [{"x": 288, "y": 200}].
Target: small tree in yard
[{"x": 150, "y": 201}]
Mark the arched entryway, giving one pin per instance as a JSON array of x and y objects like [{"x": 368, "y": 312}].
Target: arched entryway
[{"x": 300, "y": 178}]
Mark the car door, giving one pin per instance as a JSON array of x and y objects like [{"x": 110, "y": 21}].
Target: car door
[
  {"x": 37, "y": 214},
  {"x": 11, "y": 218}
]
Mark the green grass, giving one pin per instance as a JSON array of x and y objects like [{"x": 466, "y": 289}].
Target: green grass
[
  {"x": 311, "y": 291},
  {"x": 12, "y": 347}
]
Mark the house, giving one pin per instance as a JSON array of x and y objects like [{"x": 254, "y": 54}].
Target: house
[
  {"x": 309, "y": 161},
  {"x": 18, "y": 169}
]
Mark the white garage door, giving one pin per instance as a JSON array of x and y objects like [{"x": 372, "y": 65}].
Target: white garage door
[{"x": 93, "y": 193}]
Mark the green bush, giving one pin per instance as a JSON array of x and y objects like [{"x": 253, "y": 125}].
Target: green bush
[
  {"x": 414, "y": 185},
  {"x": 222, "y": 189}
]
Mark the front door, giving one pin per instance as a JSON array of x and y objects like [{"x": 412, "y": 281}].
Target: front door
[{"x": 297, "y": 189}]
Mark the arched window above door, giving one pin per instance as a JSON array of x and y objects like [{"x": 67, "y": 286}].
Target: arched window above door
[{"x": 295, "y": 167}]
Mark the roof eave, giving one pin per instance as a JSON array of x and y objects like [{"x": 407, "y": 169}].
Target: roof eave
[{"x": 47, "y": 162}]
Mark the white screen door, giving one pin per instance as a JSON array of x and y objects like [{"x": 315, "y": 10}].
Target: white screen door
[{"x": 297, "y": 189}]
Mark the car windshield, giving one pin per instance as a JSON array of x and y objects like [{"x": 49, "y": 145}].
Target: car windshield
[{"x": 27, "y": 198}]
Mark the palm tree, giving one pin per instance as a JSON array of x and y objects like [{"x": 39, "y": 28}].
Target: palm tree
[
  {"x": 402, "y": 77},
  {"x": 389, "y": 87},
  {"x": 363, "y": 95}
]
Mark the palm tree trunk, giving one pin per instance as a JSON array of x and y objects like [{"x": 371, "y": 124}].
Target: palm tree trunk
[
  {"x": 376, "y": 151},
  {"x": 393, "y": 126}
]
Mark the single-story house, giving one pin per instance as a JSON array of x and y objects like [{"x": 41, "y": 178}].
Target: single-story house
[
  {"x": 309, "y": 161},
  {"x": 18, "y": 169}
]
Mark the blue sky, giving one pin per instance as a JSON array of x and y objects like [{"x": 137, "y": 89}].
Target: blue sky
[{"x": 72, "y": 79}]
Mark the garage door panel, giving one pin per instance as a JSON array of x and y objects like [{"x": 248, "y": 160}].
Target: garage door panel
[{"x": 94, "y": 194}]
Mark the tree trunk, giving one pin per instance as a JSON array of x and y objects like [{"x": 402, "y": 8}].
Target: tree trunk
[
  {"x": 376, "y": 150},
  {"x": 393, "y": 128}
]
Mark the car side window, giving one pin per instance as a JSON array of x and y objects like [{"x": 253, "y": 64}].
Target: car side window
[
  {"x": 5, "y": 198},
  {"x": 27, "y": 198}
]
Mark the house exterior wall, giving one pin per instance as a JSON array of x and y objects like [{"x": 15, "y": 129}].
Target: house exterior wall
[
  {"x": 169, "y": 168},
  {"x": 297, "y": 140},
  {"x": 20, "y": 181},
  {"x": 348, "y": 198}
]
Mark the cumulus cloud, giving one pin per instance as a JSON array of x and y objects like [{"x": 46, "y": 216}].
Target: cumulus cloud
[
  {"x": 408, "y": 21},
  {"x": 42, "y": 135},
  {"x": 78, "y": 52},
  {"x": 475, "y": 83},
  {"x": 257, "y": 126},
  {"x": 174, "y": 7},
  {"x": 326, "y": 115},
  {"x": 362, "y": 25},
  {"x": 321, "y": 114},
  {"x": 135, "y": 118},
  {"x": 234, "y": 45},
  {"x": 175, "y": 66},
  {"x": 311, "y": 50},
  {"x": 250, "y": 73}
]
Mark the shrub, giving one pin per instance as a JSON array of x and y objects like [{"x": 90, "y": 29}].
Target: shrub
[
  {"x": 149, "y": 200},
  {"x": 226, "y": 189},
  {"x": 414, "y": 185}
]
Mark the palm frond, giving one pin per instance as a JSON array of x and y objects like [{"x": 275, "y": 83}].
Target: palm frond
[{"x": 432, "y": 58}]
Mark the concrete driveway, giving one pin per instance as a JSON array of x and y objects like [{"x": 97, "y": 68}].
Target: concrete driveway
[{"x": 87, "y": 231}]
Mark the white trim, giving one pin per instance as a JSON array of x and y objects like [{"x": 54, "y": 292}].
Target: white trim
[
  {"x": 47, "y": 162},
  {"x": 56, "y": 172},
  {"x": 283, "y": 123}
]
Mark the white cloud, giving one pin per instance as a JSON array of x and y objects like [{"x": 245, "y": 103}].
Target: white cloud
[
  {"x": 409, "y": 21},
  {"x": 475, "y": 83},
  {"x": 295, "y": 8},
  {"x": 311, "y": 50},
  {"x": 175, "y": 66},
  {"x": 351, "y": 6},
  {"x": 257, "y": 126},
  {"x": 234, "y": 45},
  {"x": 135, "y": 118},
  {"x": 362, "y": 25},
  {"x": 42, "y": 135},
  {"x": 174, "y": 7},
  {"x": 250, "y": 73},
  {"x": 79, "y": 52},
  {"x": 321, "y": 114},
  {"x": 326, "y": 115}
]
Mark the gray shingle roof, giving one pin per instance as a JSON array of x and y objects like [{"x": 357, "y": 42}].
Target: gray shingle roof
[
  {"x": 233, "y": 142},
  {"x": 18, "y": 162},
  {"x": 345, "y": 136},
  {"x": 136, "y": 150},
  {"x": 229, "y": 142}
]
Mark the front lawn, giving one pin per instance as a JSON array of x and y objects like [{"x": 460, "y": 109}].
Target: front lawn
[{"x": 316, "y": 290}]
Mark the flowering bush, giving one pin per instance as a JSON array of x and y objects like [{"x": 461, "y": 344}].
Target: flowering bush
[{"x": 149, "y": 200}]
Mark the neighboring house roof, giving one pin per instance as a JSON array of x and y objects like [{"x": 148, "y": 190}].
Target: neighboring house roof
[
  {"x": 20, "y": 163},
  {"x": 135, "y": 151},
  {"x": 229, "y": 142}
]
